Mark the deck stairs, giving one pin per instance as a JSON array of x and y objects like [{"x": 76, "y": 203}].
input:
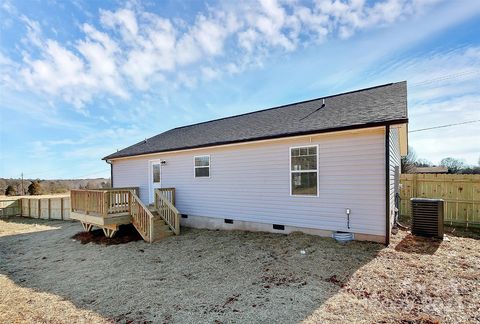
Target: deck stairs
[{"x": 160, "y": 229}]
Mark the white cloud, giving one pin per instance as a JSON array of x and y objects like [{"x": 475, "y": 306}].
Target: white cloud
[
  {"x": 136, "y": 49},
  {"x": 443, "y": 88},
  {"x": 123, "y": 18},
  {"x": 33, "y": 35},
  {"x": 210, "y": 35},
  {"x": 59, "y": 72},
  {"x": 210, "y": 73}
]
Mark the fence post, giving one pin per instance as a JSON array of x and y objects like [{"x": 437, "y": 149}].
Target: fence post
[{"x": 61, "y": 208}]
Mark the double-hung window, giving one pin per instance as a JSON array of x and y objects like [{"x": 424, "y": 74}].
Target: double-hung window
[
  {"x": 202, "y": 166},
  {"x": 304, "y": 171}
]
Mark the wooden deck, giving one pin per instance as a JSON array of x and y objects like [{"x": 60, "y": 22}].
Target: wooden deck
[{"x": 110, "y": 208}]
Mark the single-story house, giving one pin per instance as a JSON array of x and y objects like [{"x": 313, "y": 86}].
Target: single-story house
[{"x": 319, "y": 166}]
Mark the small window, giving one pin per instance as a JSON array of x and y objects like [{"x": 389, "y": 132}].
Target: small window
[
  {"x": 156, "y": 173},
  {"x": 304, "y": 171},
  {"x": 202, "y": 166}
]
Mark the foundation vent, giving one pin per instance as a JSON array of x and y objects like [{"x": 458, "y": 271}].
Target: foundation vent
[
  {"x": 427, "y": 217},
  {"x": 278, "y": 227},
  {"x": 228, "y": 221},
  {"x": 343, "y": 236}
]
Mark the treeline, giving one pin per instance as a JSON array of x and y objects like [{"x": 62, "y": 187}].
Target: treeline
[
  {"x": 454, "y": 166},
  {"x": 17, "y": 187}
]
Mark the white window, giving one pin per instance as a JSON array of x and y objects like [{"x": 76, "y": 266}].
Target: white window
[
  {"x": 202, "y": 166},
  {"x": 304, "y": 171}
]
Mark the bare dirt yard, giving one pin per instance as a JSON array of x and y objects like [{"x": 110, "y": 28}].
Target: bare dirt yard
[{"x": 206, "y": 276}]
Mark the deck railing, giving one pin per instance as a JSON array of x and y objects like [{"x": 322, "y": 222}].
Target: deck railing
[
  {"x": 168, "y": 193},
  {"x": 165, "y": 205},
  {"x": 142, "y": 218},
  {"x": 101, "y": 202},
  {"x": 89, "y": 202}
]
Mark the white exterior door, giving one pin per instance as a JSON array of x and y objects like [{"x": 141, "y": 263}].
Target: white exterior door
[{"x": 155, "y": 179}]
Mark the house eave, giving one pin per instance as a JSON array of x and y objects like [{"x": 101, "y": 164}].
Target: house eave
[{"x": 280, "y": 136}]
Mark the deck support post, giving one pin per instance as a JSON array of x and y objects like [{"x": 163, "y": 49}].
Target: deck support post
[
  {"x": 109, "y": 232},
  {"x": 87, "y": 227}
]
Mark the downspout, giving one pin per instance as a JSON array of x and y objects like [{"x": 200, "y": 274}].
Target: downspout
[
  {"x": 387, "y": 185},
  {"x": 111, "y": 172}
]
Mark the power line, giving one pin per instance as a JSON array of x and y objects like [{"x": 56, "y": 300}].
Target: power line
[
  {"x": 443, "y": 126},
  {"x": 445, "y": 77}
]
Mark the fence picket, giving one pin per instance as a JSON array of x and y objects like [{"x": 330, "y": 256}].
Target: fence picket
[{"x": 461, "y": 193}]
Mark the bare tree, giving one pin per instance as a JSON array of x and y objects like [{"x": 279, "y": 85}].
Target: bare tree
[
  {"x": 423, "y": 163},
  {"x": 453, "y": 165},
  {"x": 408, "y": 162}
]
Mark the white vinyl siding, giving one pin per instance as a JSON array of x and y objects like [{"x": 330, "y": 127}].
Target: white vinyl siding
[
  {"x": 395, "y": 159},
  {"x": 133, "y": 173},
  {"x": 251, "y": 182}
]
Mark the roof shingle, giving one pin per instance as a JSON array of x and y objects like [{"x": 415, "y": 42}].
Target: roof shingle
[{"x": 367, "y": 107}]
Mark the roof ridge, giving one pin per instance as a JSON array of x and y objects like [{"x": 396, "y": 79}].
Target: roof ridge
[{"x": 285, "y": 105}]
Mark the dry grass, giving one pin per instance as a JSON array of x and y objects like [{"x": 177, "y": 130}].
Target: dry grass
[
  {"x": 217, "y": 276},
  {"x": 25, "y": 225}
]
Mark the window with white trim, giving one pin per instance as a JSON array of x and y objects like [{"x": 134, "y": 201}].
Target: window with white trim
[
  {"x": 202, "y": 166},
  {"x": 304, "y": 171}
]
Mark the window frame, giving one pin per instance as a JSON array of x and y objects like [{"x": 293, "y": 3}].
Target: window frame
[
  {"x": 195, "y": 167},
  {"x": 152, "y": 177},
  {"x": 303, "y": 171}
]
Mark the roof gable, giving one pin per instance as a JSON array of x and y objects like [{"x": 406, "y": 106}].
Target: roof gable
[{"x": 372, "y": 106}]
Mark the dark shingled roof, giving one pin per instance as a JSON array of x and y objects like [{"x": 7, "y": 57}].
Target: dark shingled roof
[{"x": 357, "y": 109}]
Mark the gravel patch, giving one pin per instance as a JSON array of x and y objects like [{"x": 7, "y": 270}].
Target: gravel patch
[{"x": 234, "y": 277}]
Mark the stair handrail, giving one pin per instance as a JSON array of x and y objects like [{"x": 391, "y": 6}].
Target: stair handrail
[
  {"x": 142, "y": 217},
  {"x": 167, "y": 210}
]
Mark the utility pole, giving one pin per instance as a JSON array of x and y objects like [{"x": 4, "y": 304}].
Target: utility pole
[{"x": 23, "y": 191}]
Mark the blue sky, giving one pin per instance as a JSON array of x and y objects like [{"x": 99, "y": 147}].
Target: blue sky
[{"x": 80, "y": 79}]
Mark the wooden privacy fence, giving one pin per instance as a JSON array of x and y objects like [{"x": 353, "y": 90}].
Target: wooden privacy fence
[
  {"x": 10, "y": 207},
  {"x": 461, "y": 193},
  {"x": 37, "y": 207}
]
